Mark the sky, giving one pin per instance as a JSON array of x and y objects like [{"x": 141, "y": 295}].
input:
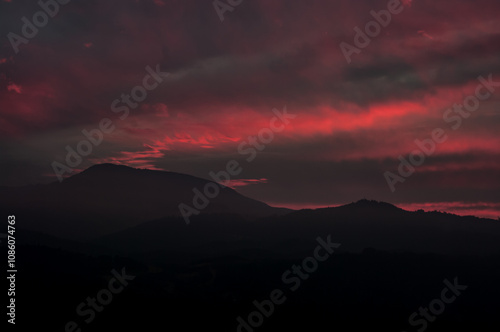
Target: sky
[{"x": 351, "y": 117}]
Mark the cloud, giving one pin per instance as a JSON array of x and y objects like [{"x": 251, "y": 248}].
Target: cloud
[
  {"x": 14, "y": 88},
  {"x": 244, "y": 182},
  {"x": 353, "y": 121}
]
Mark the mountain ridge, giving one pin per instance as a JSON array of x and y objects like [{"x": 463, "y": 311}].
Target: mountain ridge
[
  {"x": 108, "y": 198},
  {"x": 105, "y": 198}
]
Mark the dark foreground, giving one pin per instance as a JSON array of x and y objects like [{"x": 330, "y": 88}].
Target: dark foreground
[{"x": 192, "y": 291}]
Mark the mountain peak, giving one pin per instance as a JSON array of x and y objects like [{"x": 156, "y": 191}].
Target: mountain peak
[{"x": 365, "y": 203}]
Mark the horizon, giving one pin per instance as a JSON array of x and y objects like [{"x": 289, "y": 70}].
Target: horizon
[{"x": 452, "y": 207}]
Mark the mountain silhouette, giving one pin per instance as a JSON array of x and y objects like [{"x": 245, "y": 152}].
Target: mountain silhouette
[
  {"x": 127, "y": 209},
  {"x": 107, "y": 198},
  {"x": 358, "y": 226},
  {"x": 390, "y": 261}
]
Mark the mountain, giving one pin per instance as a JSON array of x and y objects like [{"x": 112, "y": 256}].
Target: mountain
[
  {"x": 131, "y": 209},
  {"x": 107, "y": 198},
  {"x": 227, "y": 263},
  {"x": 357, "y": 226}
]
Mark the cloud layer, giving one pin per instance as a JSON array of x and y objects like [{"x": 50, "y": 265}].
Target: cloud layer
[{"x": 353, "y": 120}]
